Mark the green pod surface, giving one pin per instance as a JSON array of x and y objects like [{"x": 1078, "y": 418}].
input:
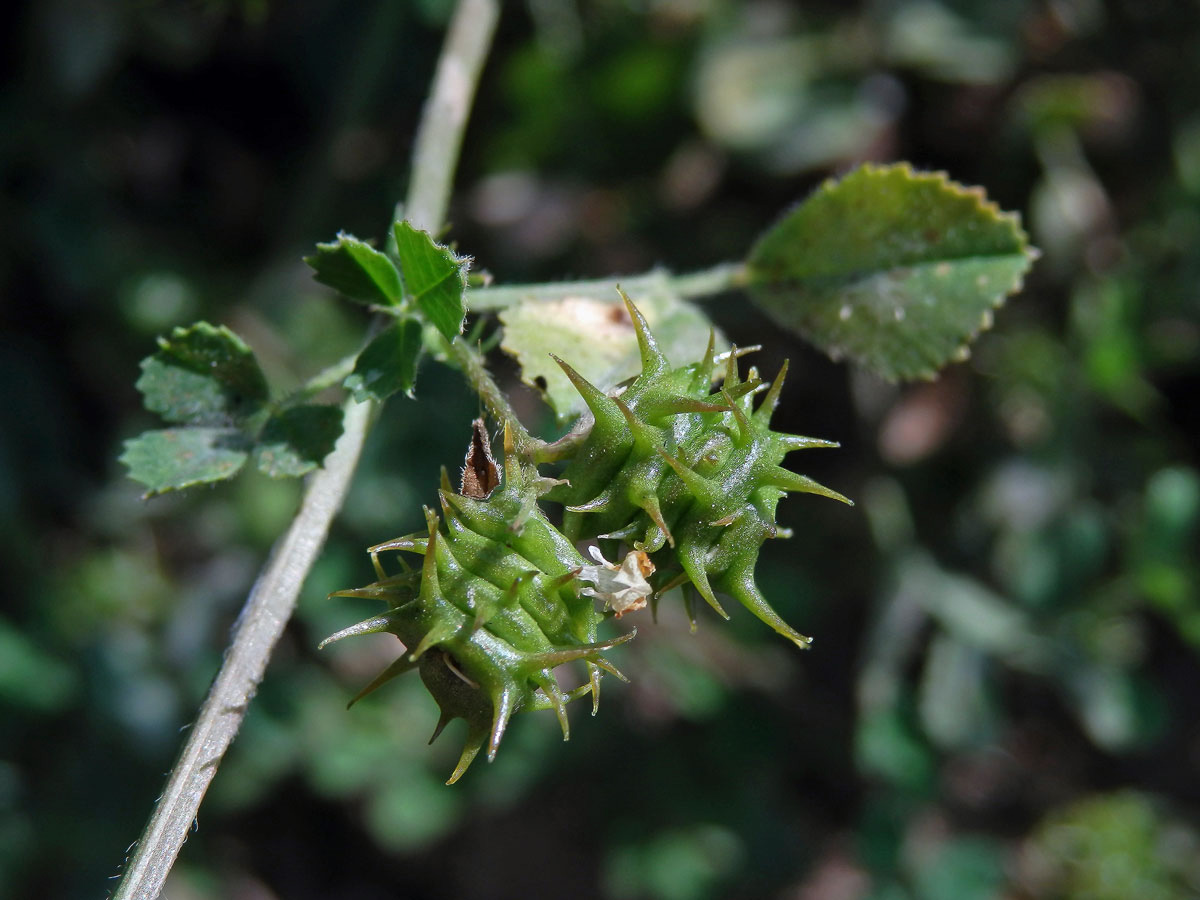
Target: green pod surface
[
  {"x": 689, "y": 474},
  {"x": 494, "y": 607}
]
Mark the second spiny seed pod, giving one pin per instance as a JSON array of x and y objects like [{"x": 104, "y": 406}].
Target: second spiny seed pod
[{"x": 688, "y": 474}]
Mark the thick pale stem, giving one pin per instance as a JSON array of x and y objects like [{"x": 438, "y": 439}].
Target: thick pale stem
[
  {"x": 273, "y": 596},
  {"x": 444, "y": 118},
  {"x": 262, "y": 620}
]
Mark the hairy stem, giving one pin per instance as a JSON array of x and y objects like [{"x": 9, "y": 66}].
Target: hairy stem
[
  {"x": 471, "y": 362},
  {"x": 259, "y": 626},
  {"x": 694, "y": 284},
  {"x": 273, "y": 597}
]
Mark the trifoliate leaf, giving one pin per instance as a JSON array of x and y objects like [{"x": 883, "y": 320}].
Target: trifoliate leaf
[
  {"x": 182, "y": 457},
  {"x": 388, "y": 364},
  {"x": 203, "y": 375},
  {"x": 434, "y": 277},
  {"x": 597, "y": 336},
  {"x": 356, "y": 269},
  {"x": 897, "y": 270},
  {"x": 296, "y": 440}
]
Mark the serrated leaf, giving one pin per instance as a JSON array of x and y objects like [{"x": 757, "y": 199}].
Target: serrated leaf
[
  {"x": 298, "y": 439},
  {"x": 897, "y": 270},
  {"x": 597, "y": 338},
  {"x": 203, "y": 375},
  {"x": 433, "y": 276},
  {"x": 388, "y": 364},
  {"x": 356, "y": 269},
  {"x": 178, "y": 458}
]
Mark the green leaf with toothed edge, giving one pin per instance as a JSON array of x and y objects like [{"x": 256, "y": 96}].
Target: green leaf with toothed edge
[
  {"x": 178, "y": 458},
  {"x": 433, "y": 276},
  {"x": 207, "y": 380},
  {"x": 357, "y": 270},
  {"x": 598, "y": 338},
  {"x": 389, "y": 363},
  {"x": 896, "y": 269},
  {"x": 203, "y": 375}
]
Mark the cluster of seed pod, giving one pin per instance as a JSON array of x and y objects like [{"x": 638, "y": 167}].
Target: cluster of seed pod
[{"x": 685, "y": 476}]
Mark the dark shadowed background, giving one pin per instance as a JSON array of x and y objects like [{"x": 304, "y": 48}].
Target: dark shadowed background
[{"x": 1001, "y": 700}]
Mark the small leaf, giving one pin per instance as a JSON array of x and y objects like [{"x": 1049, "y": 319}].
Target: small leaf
[
  {"x": 598, "y": 338},
  {"x": 434, "y": 277},
  {"x": 388, "y": 364},
  {"x": 203, "y": 375},
  {"x": 356, "y": 269},
  {"x": 183, "y": 457},
  {"x": 896, "y": 269},
  {"x": 298, "y": 439}
]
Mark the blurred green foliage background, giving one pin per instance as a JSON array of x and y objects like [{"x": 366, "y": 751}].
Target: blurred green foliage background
[{"x": 1001, "y": 700}]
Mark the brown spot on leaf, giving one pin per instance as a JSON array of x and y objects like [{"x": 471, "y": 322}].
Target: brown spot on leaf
[
  {"x": 601, "y": 320},
  {"x": 619, "y": 315}
]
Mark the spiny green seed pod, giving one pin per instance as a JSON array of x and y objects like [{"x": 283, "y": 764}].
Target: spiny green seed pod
[
  {"x": 690, "y": 475},
  {"x": 493, "y": 609}
]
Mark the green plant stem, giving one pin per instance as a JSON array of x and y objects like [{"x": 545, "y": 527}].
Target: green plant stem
[
  {"x": 325, "y": 379},
  {"x": 273, "y": 597},
  {"x": 694, "y": 284},
  {"x": 475, "y": 371}
]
